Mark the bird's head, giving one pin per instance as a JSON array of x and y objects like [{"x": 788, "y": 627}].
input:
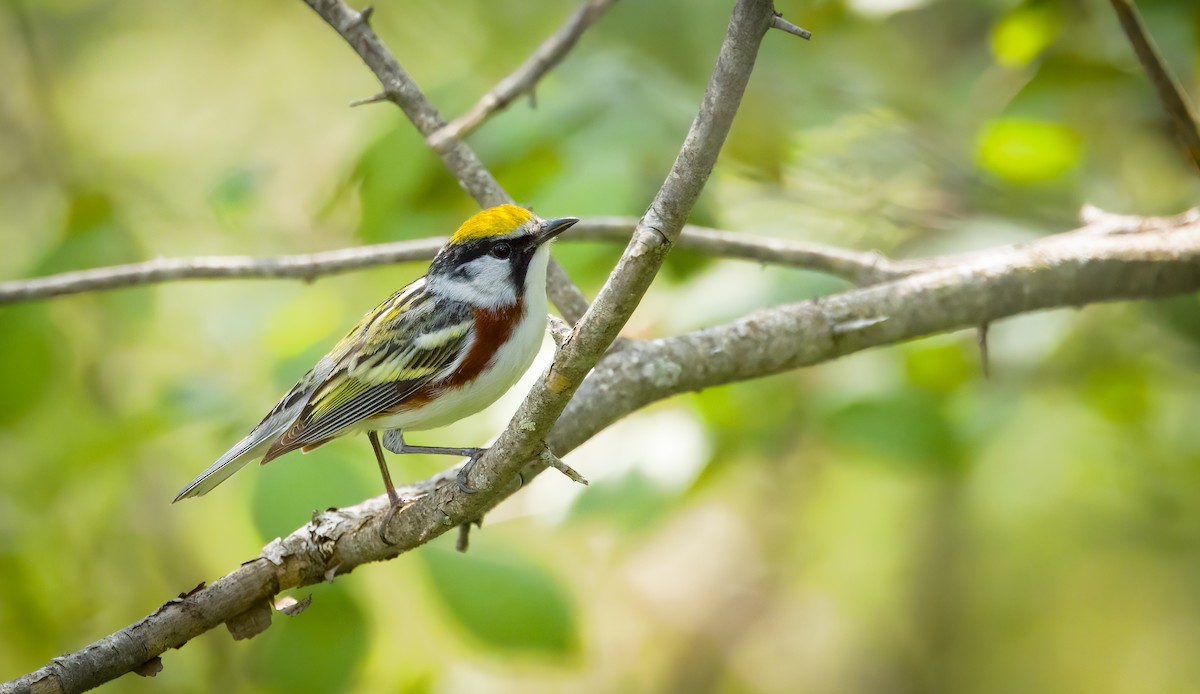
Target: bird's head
[{"x": 496, "y": 256}]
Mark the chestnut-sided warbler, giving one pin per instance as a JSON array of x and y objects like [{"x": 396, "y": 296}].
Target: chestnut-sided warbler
[{"x": 444, "y": 347}]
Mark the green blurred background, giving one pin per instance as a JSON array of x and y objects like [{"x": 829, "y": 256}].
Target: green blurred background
[{"x": 891, "y": 522}]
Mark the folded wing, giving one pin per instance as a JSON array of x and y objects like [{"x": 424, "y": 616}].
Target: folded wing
[
  {"x": 403, "y": 350},
  {"x": 396, "y": 349}
]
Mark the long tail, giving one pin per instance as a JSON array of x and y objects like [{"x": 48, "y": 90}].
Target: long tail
[
  {"x": 258, "y": 442},
  {"x": 252, "y": 447}
]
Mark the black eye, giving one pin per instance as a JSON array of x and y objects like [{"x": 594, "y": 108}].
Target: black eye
[{"x": 501, "y": 251}]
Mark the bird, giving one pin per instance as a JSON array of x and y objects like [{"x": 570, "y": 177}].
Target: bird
[{"x": 445, "y": 346}]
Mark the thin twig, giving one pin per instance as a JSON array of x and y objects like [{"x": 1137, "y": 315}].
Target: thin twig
[
  {"x": 778, "y": 22},
  {"x": 1174, "y": 102},
  {"x": 460, "y": 159},
  {"x": 857, "y": 267},
  {"x": 658, "y": 229},
  {"x": 524, "y": 78},
  {"x": 1067, "y": 270},
  {"x": 377, "y": 98},
  {"x": 159, "y": 270}
]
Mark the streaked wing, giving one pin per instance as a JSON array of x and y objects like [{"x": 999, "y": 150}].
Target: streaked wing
[{"x": 407, "y": 342}]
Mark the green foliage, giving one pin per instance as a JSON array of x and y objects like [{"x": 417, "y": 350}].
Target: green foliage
[
  {"x": 631, "y": 502},
  {"x": 320, "y": 650},
  {"x": 908, "y": 428},
  {"x": 1025, "y": 33},
  {"x": 28, "y": 338},
  {"x": 1028, "y": 151},
  {"x": 508, "y": 604},
  {"x": 891, "y": 520}
]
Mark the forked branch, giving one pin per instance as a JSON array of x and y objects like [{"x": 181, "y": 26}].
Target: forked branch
[
  {"x": 1154, "y": 259},
  {"x": 287, "y": 563},
  {"x": 1066, "y": 270},
  {"x": 656, "y": 232},
  {"x": 855, "y": 266},
  {"x": 524, "y": 78},
  {"x": 400, "y": 88},
  {"x": 1170, "y": 94}
]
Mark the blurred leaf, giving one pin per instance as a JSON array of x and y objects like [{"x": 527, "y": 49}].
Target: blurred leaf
[
  {"x": 682, "y": 265},
  {"x": 392, "y": 179},
  {"x": 320, "y": 650},
  {"x": 234, "y": 197},
  {"x": 769, "y": 430},
  {"x": 1028, "y": 151},
  {"x": 288, "y": 489},
  {"x": 941, "y": 365},
  {"x": 1024, "y": 33},
  {"x": 33, "y": 350},
  {"x": 92, "y": 236},
  {"x": 632, "y": 501},
  {"x": 194, "y": 398},
  {"x": 1119, "y": 391},
  {"x": 908, "y": 427},
  {"x": 310, "y": 320},
  {"x": 502, "y": 600},
  {"x": 588, "y": 263},
  {"x": 1181, "y": 314}
]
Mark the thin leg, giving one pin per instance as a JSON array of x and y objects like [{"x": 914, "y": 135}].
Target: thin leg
[
  {"x": 393, "y": 497},
  {"x": 394, "y": 441},
  {"x": 439, "y": 450}
]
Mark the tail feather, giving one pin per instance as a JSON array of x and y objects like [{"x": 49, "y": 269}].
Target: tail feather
[
  {"x": 252, "y": 447},
  {"x": 264, "y": 436},
  {"x": 246, "y": 450}
]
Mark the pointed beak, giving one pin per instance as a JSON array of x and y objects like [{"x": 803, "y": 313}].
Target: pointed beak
[{"x": 554, "y": 227}]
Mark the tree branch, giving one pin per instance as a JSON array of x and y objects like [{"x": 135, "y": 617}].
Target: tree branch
[
  {"x": 658, "y": 229},
  {"x": 306, "y": 267},
  {"x": 778, "y": 22},
  {"x": 854, "y": 266},
  {"x": 291, "y": 562},
  {"x": 400, "y": 89},
  {"x": 1174, "y": 102},
  {"x": 1065, "y": 270},
  {"x": 857, "y": 267},
  {"x": 524, "y": 78}
]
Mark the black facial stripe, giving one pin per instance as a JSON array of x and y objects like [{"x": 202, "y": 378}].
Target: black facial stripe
[
  {"x": 520, "y": 262},
  {"x": 454, "y": 261},
  {"x": 453, "y": 257}
]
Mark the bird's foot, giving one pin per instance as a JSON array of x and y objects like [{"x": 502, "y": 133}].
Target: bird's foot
[
  {"x": 464, "y": 472},
  {"x": 396, "y": 504}
]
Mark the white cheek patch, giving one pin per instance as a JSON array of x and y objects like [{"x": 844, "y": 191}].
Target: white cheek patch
[{"x": 485, "y": 282}]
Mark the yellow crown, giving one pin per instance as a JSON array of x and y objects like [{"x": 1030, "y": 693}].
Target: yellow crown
[{"x": 492, "y": 222}]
